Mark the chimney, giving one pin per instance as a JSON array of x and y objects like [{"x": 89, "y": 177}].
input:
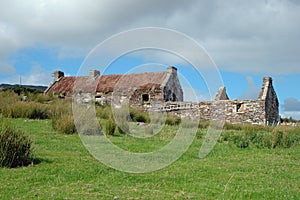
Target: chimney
[
  {"x": 172, "y": 69},
  {"x": 94, "y": 73},
  {"x": 267, "y": 84},
  {"x": 58, "y": 75}
]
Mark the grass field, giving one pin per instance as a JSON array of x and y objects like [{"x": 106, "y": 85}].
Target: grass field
[{"x": 67, "y": 171}]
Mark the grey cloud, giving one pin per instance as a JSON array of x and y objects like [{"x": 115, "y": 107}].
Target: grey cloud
[
  {"x": 6, "y": 69},
  {"x": 252, "y": 91},
  {"x": 293, "y": 114},
  {"x": 248, "y": 36},
  {"x": 37, "y": 76},
  {"x": 291, "y": 104}
]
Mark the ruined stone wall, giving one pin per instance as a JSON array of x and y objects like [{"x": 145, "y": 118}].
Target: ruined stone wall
[
  {"x": 268, "y": 94},
  {"x": 134, "y": 98},
  {"x": 171, "y": 86},
  {"x": 155, "y": 95},
  {"x": 233, "y": 111}
]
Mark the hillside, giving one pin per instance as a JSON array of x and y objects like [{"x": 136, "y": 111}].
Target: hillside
[{"x": 33, "y": 87}]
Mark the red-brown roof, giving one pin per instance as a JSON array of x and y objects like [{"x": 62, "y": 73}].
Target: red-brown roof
[{"x": 108, "y": 83}]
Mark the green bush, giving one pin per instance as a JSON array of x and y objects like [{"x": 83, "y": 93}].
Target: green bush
[
  {"x": 172, "y": 120},
  {"x": 203, "y": 124},
  {"x": 15, "y": 147},
  {"x": 263, "y": 137},
  {"x": 123, "y": 128},
  {"x": 104, "y": 112},
  {"x": 139, "y": 115},
  {"x": 242, "y": 141},
  {"x": 37, "y": 106},
  {"x": 64, "y": 124},
  {"x": 110, "y": 127},
  {"x": 236, "y": 127}
]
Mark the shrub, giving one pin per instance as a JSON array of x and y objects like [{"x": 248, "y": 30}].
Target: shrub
[
  {"x": 203, "y": 124},
  {"x": 110, "y": 127},
  {"x": 236, "y": 127},
  {"x": 15, "y": 147},
  {"x": 241, "y": 141},
  {"x": 64, "y": 124},
  {"x": 172, "y": 120},
  {"x": 225, "y": 136},
  {"x": 104, "y": 112},
  {"x": 123, "y": 128},
  {"x": 138, "y": 115},
  {"x": 267, "y": 141},
  {"x": 277, "y": 139},
  {"x": 38, "y": 111}
]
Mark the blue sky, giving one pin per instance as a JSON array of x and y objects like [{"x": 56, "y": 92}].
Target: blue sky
[{"x": 246, "y": 40}]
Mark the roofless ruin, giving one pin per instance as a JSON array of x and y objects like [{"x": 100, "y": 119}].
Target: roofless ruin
[{"x": 162, "y": 91}]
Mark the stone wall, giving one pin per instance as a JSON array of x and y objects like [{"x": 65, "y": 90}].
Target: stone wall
[
  {"x": 171, "y": 86},
  {"x": 268, "y": 94},
  {"x": 233, "y": 111}
]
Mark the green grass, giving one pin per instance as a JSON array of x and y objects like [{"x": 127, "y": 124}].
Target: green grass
[{"x": 67, "y": 171}]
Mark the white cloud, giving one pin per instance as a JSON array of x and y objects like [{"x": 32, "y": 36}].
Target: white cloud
[
  {"x": 248, "y": 36},
  {"x": 37, "y": 76},
  {"x": 194, "y": 95},
  {"x": 293, "y": 114}
]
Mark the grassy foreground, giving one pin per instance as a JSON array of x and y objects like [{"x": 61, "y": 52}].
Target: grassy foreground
[{"x": 67, "y": 171}]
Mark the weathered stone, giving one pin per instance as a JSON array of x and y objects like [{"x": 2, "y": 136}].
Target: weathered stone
[
  {"x": 261, "y": 111},
  {"x": 221, "y": 94}
]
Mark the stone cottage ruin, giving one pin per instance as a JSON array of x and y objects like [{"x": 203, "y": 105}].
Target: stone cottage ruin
[
  {"x": 162, "y": 92},
  {"x": 140, "y": 88},
  {"x": 263, "y": 110}
]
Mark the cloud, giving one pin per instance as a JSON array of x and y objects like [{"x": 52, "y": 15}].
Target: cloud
[
  {"x": 249, "y": 36},
  {"x": 293, "y": 114},
  {"x": 37, "y": 76},
  {"x": 291, "y": 105},
  {"x": 252, "y": 91},
  {"x": 194, "y": 95},
  {"x": 6, "y": 69}
]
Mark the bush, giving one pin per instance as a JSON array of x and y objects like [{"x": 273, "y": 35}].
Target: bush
[
  {"x": 36, "y": 107},
  {"x": 64, "y": 124},
  {"x": 236, "y": 127},
  {"x": 242, "y": 141},
  {"x": 104, "y": 112},
  {"x": 172, "y": 120},
  {"x": 139, "y": 115},
  {"x": 123, "y": 128},
  {"x": 203, "y": 124},
  {"x": 110, "y": 127},
  {"x": 15, "y": 147},
  {"x": 263, "y": 137}
]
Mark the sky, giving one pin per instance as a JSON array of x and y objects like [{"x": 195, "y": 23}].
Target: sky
[{"x": 246, "y": 40}]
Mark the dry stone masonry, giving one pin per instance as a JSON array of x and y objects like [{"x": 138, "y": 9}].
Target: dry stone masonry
[
  {"x": 264, "y": 110},
  {"x": 161, "y": 91}
]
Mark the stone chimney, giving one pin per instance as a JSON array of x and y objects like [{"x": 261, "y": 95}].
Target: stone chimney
[
  {"x": 58, "y": 75},
  {"x": 94, "y": 73},
  {"x": 267, "y": 85},
  {"x": 172, "y": 69}
]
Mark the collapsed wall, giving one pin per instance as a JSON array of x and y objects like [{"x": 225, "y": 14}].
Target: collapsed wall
[{"x": 262, "y": 111}]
